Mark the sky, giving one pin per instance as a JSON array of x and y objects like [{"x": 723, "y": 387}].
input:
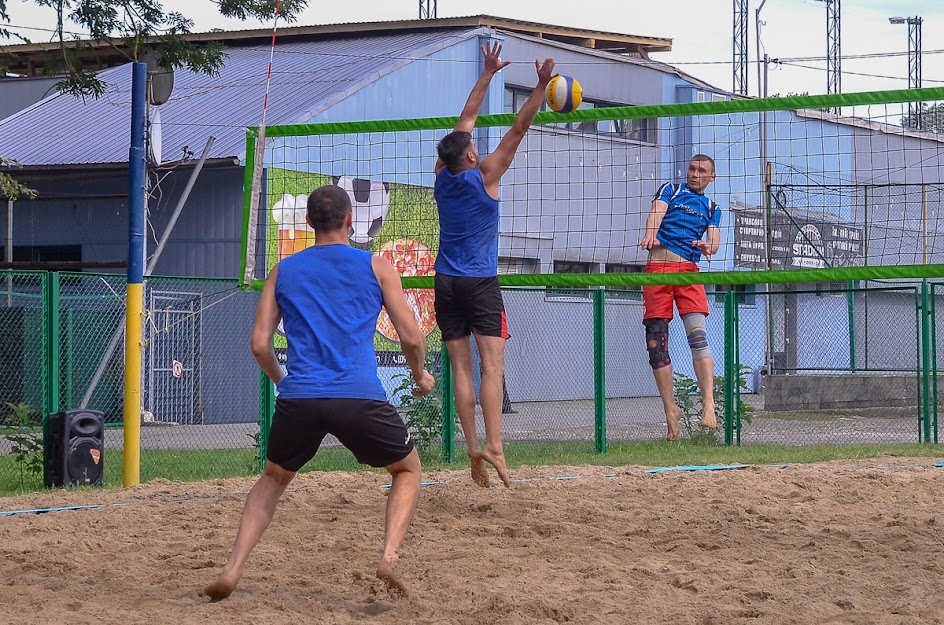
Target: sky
[{"x": 793, "y": 31}]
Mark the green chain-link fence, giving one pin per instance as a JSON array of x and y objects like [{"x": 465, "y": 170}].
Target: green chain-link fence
[
  {"x": 795, "y": 364},
  {"x": 200, "y": 388}
]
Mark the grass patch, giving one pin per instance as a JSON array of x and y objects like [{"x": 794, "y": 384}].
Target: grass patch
[{"x": 199, "y": 465}]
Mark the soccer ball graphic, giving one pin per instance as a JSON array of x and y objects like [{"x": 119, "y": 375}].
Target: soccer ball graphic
[{"x": 370, "y": 201}]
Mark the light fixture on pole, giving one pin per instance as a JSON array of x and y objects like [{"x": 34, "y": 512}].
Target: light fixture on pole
[
  {"x": 914, "y": 65},
  {"x": 761, "y": 92}
]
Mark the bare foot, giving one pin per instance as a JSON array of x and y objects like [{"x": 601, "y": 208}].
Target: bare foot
[
  {"x": 479, "y": 472},
  {"x": 672, "y": 424},
  {"x": 708, "y": 419},
  {"x": 393, "y": 583},
  {"x": 218, "y": 590},
  {"x": 497, "y": 460}
]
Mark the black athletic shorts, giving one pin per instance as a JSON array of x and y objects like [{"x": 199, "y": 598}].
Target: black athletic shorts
[
  {"x": 466, "y": 305},
  {"x": 372, "y": 430}
]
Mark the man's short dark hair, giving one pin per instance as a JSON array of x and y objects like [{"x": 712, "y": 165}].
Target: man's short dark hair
[
  {"x": 327, "y": 208},
  {"x": 453, "y": 147},
  {"x": 705, "y": 157}
]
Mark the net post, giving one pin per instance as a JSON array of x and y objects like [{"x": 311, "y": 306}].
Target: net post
[
  {"x": 730, "y": 360},
  {"x": 250, "y": 206},
  {"x": 448, "y": 409},
  {"x": 266, "y": 408},
  {"x": 599, "y": 369}
]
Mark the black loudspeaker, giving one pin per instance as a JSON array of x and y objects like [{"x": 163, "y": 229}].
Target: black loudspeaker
[{"x": 75, "y": 452}]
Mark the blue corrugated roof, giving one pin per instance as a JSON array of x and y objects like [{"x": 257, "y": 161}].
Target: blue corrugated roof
[{"x": 62, "y": 130}]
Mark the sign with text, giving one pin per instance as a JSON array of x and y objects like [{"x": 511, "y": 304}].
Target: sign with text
[{"x": 799, "y": 243}]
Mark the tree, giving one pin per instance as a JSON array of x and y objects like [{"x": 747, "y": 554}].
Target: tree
[
  {"x": 932, "y": 118},
  {"x": 132, "y": 27}
]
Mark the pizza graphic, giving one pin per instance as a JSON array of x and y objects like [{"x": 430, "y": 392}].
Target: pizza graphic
[{"x": 411, "y": 258}]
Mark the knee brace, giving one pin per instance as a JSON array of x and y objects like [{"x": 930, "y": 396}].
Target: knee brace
[
  {"x": 657, "y": 342},
  {"x": 697, "y": 336}
]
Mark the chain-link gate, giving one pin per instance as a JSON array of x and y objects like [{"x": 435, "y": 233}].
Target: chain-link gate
[{"x": 174, "y": 354}]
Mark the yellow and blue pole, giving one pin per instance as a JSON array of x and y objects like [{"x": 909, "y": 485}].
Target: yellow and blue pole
[{"x": 134, "y": 302}]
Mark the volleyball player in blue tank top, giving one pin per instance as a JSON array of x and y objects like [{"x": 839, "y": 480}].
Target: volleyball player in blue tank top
[
  {"x": 468, "y": 296},
  {"x": 328, "y": 297}
]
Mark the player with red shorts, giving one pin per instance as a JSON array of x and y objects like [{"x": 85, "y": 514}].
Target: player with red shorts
[{"x": 682, "y": 225}]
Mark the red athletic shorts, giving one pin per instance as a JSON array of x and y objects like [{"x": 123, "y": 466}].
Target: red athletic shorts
[{"x": 657, "y": 300}]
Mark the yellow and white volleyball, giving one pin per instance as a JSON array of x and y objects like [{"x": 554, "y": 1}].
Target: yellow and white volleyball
[{"x": 563, "y": 94}]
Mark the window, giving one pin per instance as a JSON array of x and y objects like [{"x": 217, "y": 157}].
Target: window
[
  {"x": 746, "y": 293},
  {"x": 45, "y": 256},
  {"x": 515, "y": 97},
  {"x": 634, "y": 129},
  {"x": 509, "y": 265},
  {"x": 577, "y": 292},
  {"x": 631, "y": 293}
]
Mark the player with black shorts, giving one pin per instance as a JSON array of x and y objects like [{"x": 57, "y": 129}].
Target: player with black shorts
[
  {"x": 468, "y": 296},
  {"x": 328, "y": 298}
]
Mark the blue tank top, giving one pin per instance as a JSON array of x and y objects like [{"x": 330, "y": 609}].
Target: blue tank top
[
  {"x": 468, "y": 225},
  {"x": 330, "y": 300}
]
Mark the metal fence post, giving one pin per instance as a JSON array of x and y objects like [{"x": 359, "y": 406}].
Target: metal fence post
[
  {"x": 850, "y": 302},
  {"x": 730, "y": 366},
  {"x": 934, "y": 360},
  {"x": 599, "y": 370},
  {"x": 919, "y": 364},
  {"x": 266, "y": 408},
  {"x": 737, "y": 370},
  {"x": 448, "y": 409},
  {"x": 925, "y": 356},
  {"x": 51, "y": 399}
]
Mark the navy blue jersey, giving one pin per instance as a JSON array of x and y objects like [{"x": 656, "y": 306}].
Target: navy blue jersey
[
  {"x": 468, "y": 225},
  {"x": 686, "y": 220},
  {"x": 330, "y": 299}
]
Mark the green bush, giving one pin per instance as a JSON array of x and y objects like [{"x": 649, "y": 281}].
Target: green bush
[
  {"x": 688, "y": 399},
  {"x": 26, "y": 443},
  {"x": 422, "y": 415}
]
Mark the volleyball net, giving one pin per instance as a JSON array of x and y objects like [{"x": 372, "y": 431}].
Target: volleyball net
[{"x": 819, "y": 213}]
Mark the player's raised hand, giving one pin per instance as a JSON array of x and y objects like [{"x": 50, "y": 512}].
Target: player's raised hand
[
  {"x": 545, "y": 70},
  {"x": 424, "y": 385},
  {"x": 704, "y": 246},
  {"x": 492, "y": 53}
]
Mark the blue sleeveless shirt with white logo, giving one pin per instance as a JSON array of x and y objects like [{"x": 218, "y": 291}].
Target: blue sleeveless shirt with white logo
[
  {"x": 468, "y": 225},
  {"x": 686, "y": 220},
  {"x": 330, "y": 299}
]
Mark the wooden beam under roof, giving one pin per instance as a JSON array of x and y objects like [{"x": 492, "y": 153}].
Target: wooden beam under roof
[{"x": 31, "y": 59}]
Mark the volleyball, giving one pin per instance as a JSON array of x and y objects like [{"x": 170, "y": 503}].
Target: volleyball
[{"x": 563, "y": 94}]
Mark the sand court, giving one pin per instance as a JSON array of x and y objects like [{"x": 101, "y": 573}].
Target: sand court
[{"x": 840, "y": 542}]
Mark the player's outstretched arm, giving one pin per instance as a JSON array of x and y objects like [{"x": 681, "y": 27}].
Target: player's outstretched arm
[
  {"x": 497, "y": 163},
  {"x": 653, "y": 223},
  {"x": 470, "y": 112},
  {"x": 412, "y": 341},
  {"x": 268, "y": 315}
]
